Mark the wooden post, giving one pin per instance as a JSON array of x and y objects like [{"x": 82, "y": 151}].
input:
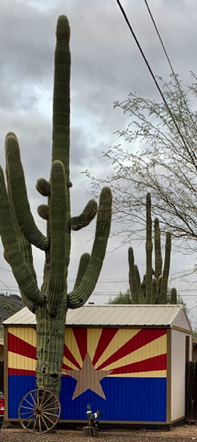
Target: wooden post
[
  {"x": 90, "y": 431},
  {"x": 87, "y": 431}
]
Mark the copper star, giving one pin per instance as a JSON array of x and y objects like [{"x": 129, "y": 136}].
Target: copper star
[{"x": 88, "y": 378}]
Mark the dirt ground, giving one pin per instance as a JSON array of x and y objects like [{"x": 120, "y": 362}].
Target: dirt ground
[{"x": 179, "y": 434}]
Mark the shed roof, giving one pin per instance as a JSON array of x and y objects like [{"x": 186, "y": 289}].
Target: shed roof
[{"x": 115, "y": 315}]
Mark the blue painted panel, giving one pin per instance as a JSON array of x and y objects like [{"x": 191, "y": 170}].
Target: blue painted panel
[
  {"x": 127, "y": 399},
  {"x": 18, "y": 386}
]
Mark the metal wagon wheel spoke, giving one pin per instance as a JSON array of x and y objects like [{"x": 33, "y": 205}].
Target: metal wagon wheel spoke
[{"x": 39, "y": 411}]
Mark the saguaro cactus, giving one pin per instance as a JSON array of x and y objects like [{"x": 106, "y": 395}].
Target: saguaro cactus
[
  {"x": 154, "y": 287},
  {"x": 19, "y": 231}
]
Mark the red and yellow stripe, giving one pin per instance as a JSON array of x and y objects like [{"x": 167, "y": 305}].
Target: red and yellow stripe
[{"x": 125, "y": 352}]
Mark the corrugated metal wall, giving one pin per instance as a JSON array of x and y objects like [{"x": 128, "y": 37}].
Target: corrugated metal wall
[{"x": 122, "y": 372}]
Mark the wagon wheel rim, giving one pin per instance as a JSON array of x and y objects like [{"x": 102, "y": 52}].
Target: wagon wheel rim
[{"x": 39, "y": 411}]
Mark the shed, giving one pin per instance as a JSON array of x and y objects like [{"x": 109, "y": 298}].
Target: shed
[{"x": 126, "y": 360}]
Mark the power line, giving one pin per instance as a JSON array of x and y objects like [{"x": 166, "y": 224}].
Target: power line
[
  {"x": 7, "y": 286},
  {"x": 169, "y": 62},
  {"x": 161, "y": 41},
  {"x": 156, "y": 83}
]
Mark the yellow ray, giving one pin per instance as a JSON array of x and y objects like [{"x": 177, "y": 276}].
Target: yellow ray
[
  {"x": 150, "y": 350},
  {"x": 71, "y": 343},
  {"x": 142, "y": 374},
  {"x": 70, "y": 364},
  {"x": 120, "y": 338},
  {"x": 20, "y": 362},
  {"x": 27, "y": 334},
  {"x": 93, "y": 336}
]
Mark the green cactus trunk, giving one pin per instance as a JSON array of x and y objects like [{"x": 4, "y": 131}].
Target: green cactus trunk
[
  {"x": 18, "y": 230},
  {"x": 50, "y": 343}
]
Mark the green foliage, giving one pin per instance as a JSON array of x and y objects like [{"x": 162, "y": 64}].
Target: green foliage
[
  {"x": 19, "y": 231},
  {"x": 121, "y": 298},
  {"x": 125, "y": 298}
]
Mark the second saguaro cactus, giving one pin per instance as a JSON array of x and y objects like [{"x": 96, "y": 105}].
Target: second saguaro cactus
[
  {"x": 153, "y": 289},
  {"x": 19, "y": 231}
]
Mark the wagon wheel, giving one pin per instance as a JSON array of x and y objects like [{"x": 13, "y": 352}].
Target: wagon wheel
[{"x": 39, "y": 411}]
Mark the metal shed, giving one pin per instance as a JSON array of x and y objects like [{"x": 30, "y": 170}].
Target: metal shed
[{"x": 126, "y": 360}]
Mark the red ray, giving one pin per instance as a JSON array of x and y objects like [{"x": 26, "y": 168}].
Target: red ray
[
  {"x": 81, "y": 339},
  {"x": 105, "y": 338},
  {"x": 142, "y": 338},
  {"x": 66, "y": 367},
  {"x": 151, "y": 364},
  {"x": 70, "y": 357},
  {"x": 19, "y": 346},
  {"x": 21, "y": 372}
]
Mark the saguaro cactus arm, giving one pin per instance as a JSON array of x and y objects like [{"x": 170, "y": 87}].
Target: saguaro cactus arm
[
  {"x": 166, "y": 270},
  {"x": 141, "y": 297},
  {"x": 83, "y": 264},
  {"x": 15, "y": 256},
  {"x": 43, "y": 211},
  {"x": 19, "y": 194},
  {"x": 43, "y": 187},
  {"x": 88, "y": 214},
  {"x": 132, "y": 279},
  {"x": 157, "y": 244},
  {"x": 83, "y": 291},
  {"x": 173, "y": 296},
  {"x": 149, "y": 247},
  {"x": 154, "y": 295}
]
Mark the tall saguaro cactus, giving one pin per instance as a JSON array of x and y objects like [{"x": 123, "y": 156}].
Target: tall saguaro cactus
[
  {"x": 19, "y": 231},
  {"x": 154, "y": 287}
]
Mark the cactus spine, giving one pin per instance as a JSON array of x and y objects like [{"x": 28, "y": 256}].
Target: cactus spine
[
  {"x": 19, "y": 231},
  {"x": 154, "y": 287}
]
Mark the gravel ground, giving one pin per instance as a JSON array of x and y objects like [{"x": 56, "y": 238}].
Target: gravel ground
[{"x": 178, "y": 434}]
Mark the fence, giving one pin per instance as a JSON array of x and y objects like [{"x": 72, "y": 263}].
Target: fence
[{"x": 191, "y": 392}]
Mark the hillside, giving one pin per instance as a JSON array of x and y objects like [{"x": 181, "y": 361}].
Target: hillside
[{"x": 10, "y": 304}]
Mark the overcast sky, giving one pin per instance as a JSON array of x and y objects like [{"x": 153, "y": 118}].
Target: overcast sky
[{"x": 106, "y": 66}]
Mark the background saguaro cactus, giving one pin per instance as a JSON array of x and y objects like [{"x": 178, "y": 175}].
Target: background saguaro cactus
[
  {"x": 154, "y": 287},
  {"x": 19, "y": 231}
]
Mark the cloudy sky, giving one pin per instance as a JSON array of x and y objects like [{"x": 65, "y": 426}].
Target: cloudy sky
[{"x": 106, "y": 66}]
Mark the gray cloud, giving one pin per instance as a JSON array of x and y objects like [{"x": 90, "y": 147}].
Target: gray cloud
[{"x": 106, "y": 66}]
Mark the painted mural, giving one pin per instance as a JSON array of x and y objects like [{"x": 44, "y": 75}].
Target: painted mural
[{"x": 121, "y": 372}]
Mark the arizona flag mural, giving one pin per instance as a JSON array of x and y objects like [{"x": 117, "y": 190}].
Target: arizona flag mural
[{"x": 120, "y": 371}]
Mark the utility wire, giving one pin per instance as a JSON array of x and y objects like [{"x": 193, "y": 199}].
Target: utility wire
[
  {"x": 156, "y": 83},
  {"x": 168, "y": 59},
  {"x": 162, "y": 44}
]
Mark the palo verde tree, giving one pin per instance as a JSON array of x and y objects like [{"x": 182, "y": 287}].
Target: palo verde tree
[
  {"x": 19, "y": 231},
  {"x": 153, "y": 289},
  {"x": 157, "y": 153},
  {"x": 121, "y": 298}
]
